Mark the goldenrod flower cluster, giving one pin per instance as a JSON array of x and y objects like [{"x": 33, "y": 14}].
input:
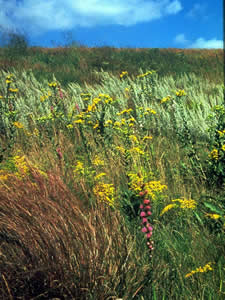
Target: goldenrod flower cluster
[
  {"x": 125, "y": 111},
  {"x": 21, "y": 166},
  {"x": 186, "y": 203},
  {"x": 79, "y": 168},
  {"x": 136, "y": 181},
  {"x": 136, "y": 150},
  {"x": 204, "y": 269},
  {"x": 154, "y": 187},
  {"x": 214, "y": 154},
  {"x": 13, "y": 90},
  {"x": 97, "y": 161},
  {"x": 213, "y": 216},
  {"x": 146, "y": 74},
  {"x": 221, "y": 133},
  {"x": 52, "y": 84},
  {"x": 165, "y": 99},
  {"x": 105, "y": 192},
  {"x": 100, "y": 175},
  {"x": 167, "y": 208},
  {"x": 9, "y": 79},
  {"x": 18, "y": 125},
  {"x": 180, "y": 93},
  {"x": 223, "y": 147},
  {"x": 124, "y": 73},
  {"x": 45, "y": 96}
]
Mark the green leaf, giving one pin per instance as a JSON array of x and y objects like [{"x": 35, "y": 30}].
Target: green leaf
[
  {"x": 213, "y": 208},
  {"x": 198, "y": 218}
]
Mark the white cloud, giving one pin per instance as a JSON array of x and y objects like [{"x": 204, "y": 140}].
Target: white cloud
[
  {"x": 210, "y": 44},
  {"x": 43, "y": 15},
  {"x": 180, "y": 39},
  {"x": 197, "y": 10}
]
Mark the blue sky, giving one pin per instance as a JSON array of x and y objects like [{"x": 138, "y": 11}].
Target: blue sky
[{"x": 117, "y": 23}]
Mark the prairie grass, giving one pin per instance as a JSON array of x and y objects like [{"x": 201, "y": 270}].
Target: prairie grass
[{"x": 74, "y": 162}]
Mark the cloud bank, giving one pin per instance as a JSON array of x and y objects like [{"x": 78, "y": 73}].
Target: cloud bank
[
  {"x": 180, "y": 39},
  {"x": 44, "y": 15}
]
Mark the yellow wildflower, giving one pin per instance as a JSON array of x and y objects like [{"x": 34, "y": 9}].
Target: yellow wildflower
[
  {"x": 97, "y": 177},
  {"x": 13, "y": 90},
  {"x": 128, "y": 111},
  {"x": 133, "y": 138},
  {"x": 168, "y": 207},
  {"x": 124, "y": 73},
  {"x": 214, "y": 154},
  {"x": 79, "y": 168},
  {"x": 121, "y": 149},
  {"x": 97, "y": 161},
  {"x": 213, "y": 216},
  {"x": 223, "y": 147},
  {"x": 165, "y": 99},
  {"x": 146, "y": 138},
  {"x": 154, "y": 187},
  {"x": 221, "y": 133},
  {"x": 206, "y": 268},
  {"x": 78, "y": 121},
  {"x": 21, "y": 165},
  {"x": 105, "y": 193},
  {"x": 52, "y": 84},
  {"x": 186, "y": 203},
  {"x": 136, "y": 150},
  {"x": 96, "y": 125},
  {"x": 136, "y": 181},
  {"x": 18, "y": 125},
  {"x": 69, "y": 126},
  {"x": 180, "y": 93}
]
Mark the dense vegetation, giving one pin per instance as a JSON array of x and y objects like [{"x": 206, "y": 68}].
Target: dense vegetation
[
  {"x": 113, "y": 188},
  {"x": 77, "y": 63}
]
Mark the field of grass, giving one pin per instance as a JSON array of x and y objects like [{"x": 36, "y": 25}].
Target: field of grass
[{"x": 113, "y": 189}]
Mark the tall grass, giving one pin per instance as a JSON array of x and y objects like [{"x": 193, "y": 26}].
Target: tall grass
[{"x": 73, "y": 163}]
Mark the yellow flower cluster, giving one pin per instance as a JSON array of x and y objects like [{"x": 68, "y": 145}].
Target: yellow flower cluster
[
  {"x": 154, "y": 187},
  {"x": 18, "y": 125},
  {"x": 149, "y": 111},
  {"x": 121, "y": 149},
  {"x": 136, "y": 181},
  {"x": 223, "y": 147},
  {"x": 46, "y": 96},
  {"x": 204, "y": 269},
  {"x": 125, "y": 111},
  {"x": 3, "y": 175},
  {"x": 52, "y": 84},
  {"x": 213, "y": 216},
  {"x": 100, "y": 175},
  {"x": 221, "y": 133},
  {"x": 180, "y": 93},
  {"x": 21, "y": 165},
  {"x": 79, "y": 168},
  {"x": 145, "y": 138},
  {"x": 167, "y": 208},
  {"x": 8, "y": 79},
  {"x": 133, "y": 138},
  {"x": 165, "y": 99},
  {"x": 13, "y": 90},
  {"x": 186, "y": 203},
  {"x": 146, "y": 74},
  {"x": 136, "y": 150},
  {"x": 124, "y": 73},
  {"x": 214, "y": 154},
  {"x": 97, "y": 161},
  {"x": 105, "y": 192},
  {"x": 85, "y": 96}
]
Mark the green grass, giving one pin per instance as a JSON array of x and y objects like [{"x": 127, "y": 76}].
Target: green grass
[{"x": 70, "y": 225}]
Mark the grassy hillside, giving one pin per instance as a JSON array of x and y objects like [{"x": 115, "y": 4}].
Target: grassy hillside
[
  {"x": 76, "y": 64},
  {"x": 113, "y": 188}
]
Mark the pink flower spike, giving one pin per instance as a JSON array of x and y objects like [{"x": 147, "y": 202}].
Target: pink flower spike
[
  {"x": 144, "y": 220},
  {"x": 149, "y": 228},
  {"x": 144, "y": 229},
  {"x": 147, "y": 207},
  {"x": 148, "y": 235},
  {"x": 142, "y": 214},
  {"x": 141, "y": 206},
  {"x": 149, "y": 213},
  {"x": 146, "y": 201}
]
